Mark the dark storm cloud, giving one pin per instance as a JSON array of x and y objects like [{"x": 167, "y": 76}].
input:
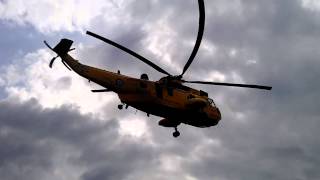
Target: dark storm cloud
[{"x": 35, "y": 142}]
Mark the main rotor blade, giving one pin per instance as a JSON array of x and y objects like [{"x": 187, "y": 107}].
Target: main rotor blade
[
  {"x": 231, "y": 84},
  {"x": 129, "y": 52},
  {"x": 199, "y": 37},
  {"x": 45, "y": 42}
]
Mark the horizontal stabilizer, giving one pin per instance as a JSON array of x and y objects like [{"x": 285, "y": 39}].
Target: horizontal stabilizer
[{"x": 100, "y": 90}]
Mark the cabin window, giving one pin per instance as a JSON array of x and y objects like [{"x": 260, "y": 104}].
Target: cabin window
[
  {"x": 190, "y": 96},
  {"x": 159, "y": 91},
  {"x": 170, "y": 91}
]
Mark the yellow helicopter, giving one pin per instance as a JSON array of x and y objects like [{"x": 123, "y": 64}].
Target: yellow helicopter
[{"x": 168, "y": 97}]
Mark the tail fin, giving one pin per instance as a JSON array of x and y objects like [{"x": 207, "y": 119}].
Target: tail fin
[{"x": 63, "y": 47}]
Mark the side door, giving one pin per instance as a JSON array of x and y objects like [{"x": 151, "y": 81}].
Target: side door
[{"x": 159, "y": 90}]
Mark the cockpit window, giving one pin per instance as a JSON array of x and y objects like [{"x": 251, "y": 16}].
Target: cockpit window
[
  {"x": 190, "y": 96},
  {"x": 211, "y": 102},
  {"x": 202, "y": 93}
]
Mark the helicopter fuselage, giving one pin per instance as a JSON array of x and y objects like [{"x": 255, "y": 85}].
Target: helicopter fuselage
[{"x": 175, "y": 103}]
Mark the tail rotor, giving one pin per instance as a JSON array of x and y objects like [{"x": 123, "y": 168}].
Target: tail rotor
[{"x": 61, "y": 49}]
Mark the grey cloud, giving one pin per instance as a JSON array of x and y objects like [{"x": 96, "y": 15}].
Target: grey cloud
[
  {"x": 63, "y": 83},
  {"x": 35, "y": 142}
]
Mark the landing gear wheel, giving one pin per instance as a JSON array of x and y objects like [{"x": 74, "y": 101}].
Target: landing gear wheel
[
  {"x": 120, "y": 106},
  {"x": 176, "y": 134}
]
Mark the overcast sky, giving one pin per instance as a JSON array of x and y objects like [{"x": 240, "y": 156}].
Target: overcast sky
[{"x": 53, "y": 127}]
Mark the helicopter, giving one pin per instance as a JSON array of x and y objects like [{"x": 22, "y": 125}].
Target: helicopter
[{"x": 168, "y": 97}]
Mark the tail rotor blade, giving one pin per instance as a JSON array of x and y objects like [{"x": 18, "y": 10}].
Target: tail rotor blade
[
  {"x": 45, "y": 42},
  {"x": 52, "y": 61},
  {"x": 60, "y": 48}
]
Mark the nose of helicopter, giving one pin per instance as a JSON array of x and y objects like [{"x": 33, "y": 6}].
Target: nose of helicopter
[
  {"x": 214, "y": 115},
  {"x": 218, "y": 114}
]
